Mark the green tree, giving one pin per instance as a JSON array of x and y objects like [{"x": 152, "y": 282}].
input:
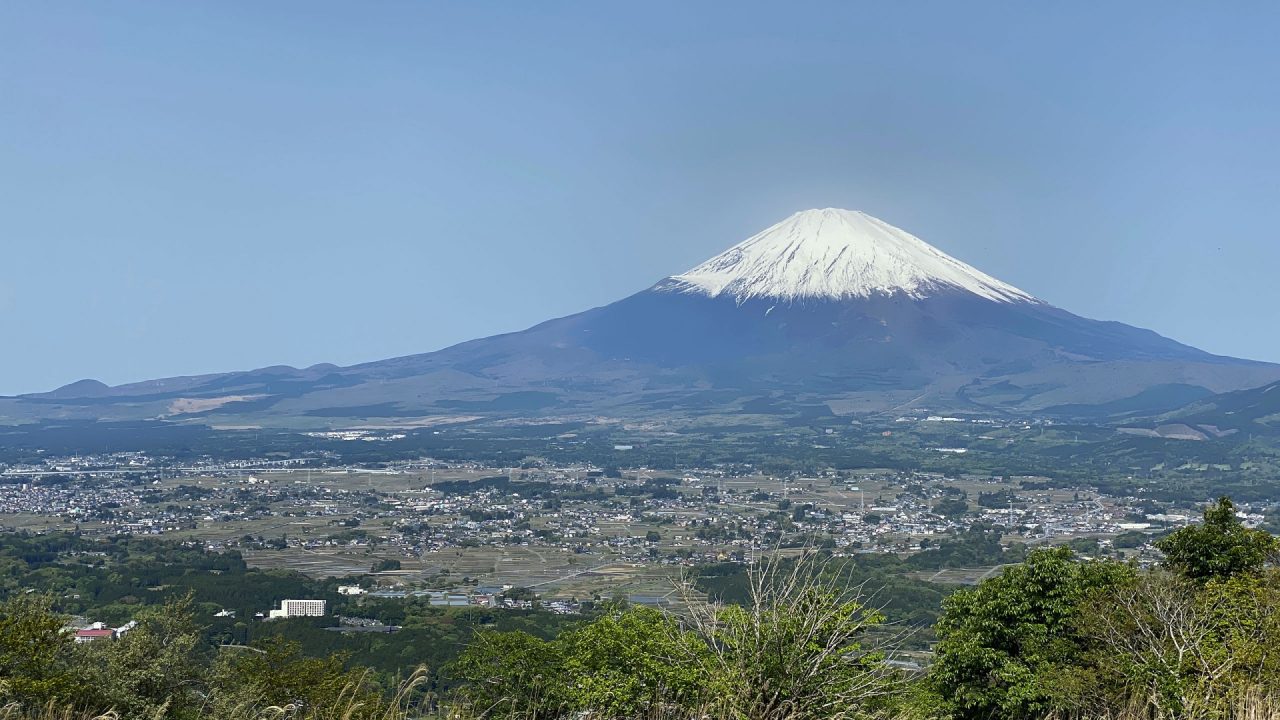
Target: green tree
[
  {"x": 1219, "y": 547},
  {"x": 1000, "y": 643},
  {"x": 32, "y": 651},
  {"x": 1130, "y": 539},
  {"x": 1244, "y": 611},
  {"x": 951, "y": 507},
  {"x": 1167, "y": 646},
  {"x": 278, "y": 674},
  {"x": 154, "y": 670},
  {"x": 511, "y": 675},
  {"x": 629, "y": 662}
]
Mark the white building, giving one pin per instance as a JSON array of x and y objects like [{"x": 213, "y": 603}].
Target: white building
[
  {"x": 351, "y": 590},
  {"x": 95, "y": 631},
  {"x": 299, "y": 608}
]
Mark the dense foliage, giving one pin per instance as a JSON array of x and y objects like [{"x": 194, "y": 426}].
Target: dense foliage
[
  {"x": 998, "y": 643},
  {"x": 1052, "y": 636},
  {"x": 124, "y": 579},
  {"x": 1219, "y": 548}
]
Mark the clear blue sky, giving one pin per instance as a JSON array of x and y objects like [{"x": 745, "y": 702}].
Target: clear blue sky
[{"x": 192, "y": 187}]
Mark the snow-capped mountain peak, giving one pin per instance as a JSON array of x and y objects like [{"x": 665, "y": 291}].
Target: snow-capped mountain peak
[{"x": 836, "y": 254}]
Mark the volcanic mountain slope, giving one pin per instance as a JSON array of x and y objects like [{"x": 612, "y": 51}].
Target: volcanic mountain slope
[{"x": 829, "y": 311}]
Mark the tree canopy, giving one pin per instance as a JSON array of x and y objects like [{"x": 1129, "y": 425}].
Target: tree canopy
[{"x": 1219, "y": 547}]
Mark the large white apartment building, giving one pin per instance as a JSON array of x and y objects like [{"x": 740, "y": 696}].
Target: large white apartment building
[{"x": 298, "y": 608}]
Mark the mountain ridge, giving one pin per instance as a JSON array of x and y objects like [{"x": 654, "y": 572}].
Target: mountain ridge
[{"x": 828, "y": 308}]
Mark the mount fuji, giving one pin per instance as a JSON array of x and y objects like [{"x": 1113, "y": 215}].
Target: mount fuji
[
  {"x": 829, "y": 311},
  {"x": 836, "y": 255}
]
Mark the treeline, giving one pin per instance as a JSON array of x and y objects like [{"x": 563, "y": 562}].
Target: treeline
[
  {"x": 161, "y": 669},
  {"x": 112, "y": 579},
  {"x": 126, "y": 578}
]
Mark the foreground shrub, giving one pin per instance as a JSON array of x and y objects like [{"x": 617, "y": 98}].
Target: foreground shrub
[{"x": 794, "y": 651}]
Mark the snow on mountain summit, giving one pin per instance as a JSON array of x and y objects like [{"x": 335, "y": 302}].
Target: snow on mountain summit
[{"x": 836, "y": 254}]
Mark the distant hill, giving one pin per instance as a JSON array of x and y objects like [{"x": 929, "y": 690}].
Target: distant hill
[
  {"x": 81, "y": 389},
  {"x": 1255, "y": 410}
]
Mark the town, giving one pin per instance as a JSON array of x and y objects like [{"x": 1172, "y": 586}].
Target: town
[{"x": 463, "y": 533}]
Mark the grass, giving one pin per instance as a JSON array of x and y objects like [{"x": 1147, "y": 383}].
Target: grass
[{"x": 348, "y": 706}]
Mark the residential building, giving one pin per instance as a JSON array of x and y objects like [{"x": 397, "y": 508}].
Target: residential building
[{"x": 299, "y": 608}]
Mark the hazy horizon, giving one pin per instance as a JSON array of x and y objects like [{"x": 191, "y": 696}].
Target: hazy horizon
[{"x": 191, "y": 189}]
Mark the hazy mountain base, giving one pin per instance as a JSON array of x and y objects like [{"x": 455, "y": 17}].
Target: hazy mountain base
[
  {"x": 661, "y": 355},
  {"x": 1098, "y": 391}
]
